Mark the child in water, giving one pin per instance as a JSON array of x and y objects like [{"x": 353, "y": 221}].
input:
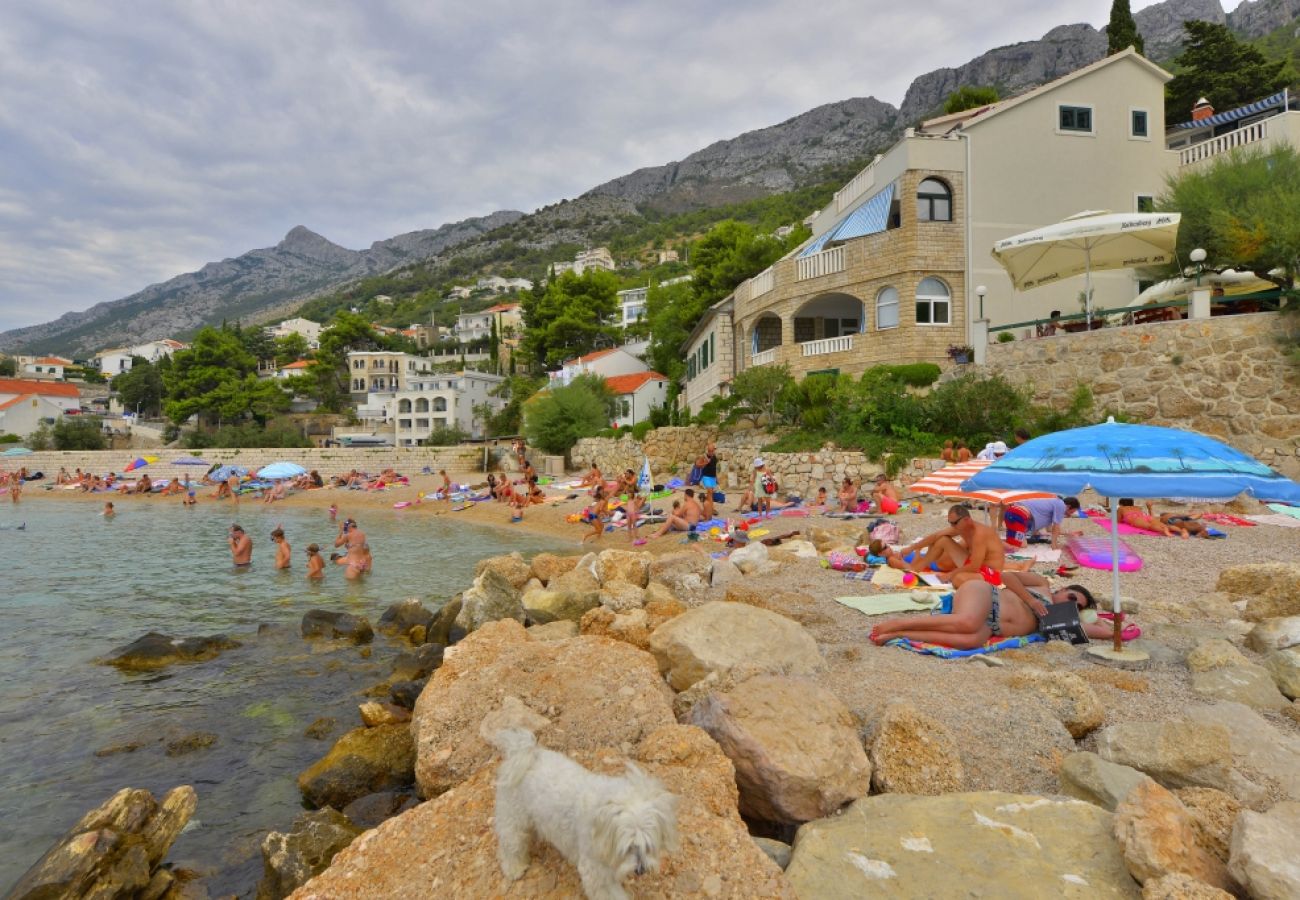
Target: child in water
[{"x": 315, "y": 565}]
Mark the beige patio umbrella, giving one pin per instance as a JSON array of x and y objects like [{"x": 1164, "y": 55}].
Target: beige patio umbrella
[{"x": 1088, "y": 241}]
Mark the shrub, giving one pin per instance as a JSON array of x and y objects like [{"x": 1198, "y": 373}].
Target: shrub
[
  {"x": 446, "y": 437},
  {"x": 9, "y": 439},
  {"x": 641, "y": 429},
  {"x": 1005, "y": 337},
  {"x": 911, "y": 374},
  {"x": 978, "y": 408},
  {"x": 248, "y": 434},
  {"x": 554, "y": 420},
  {"x": 78, "y": 433}
]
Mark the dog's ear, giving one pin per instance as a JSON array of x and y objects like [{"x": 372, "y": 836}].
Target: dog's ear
[
  {"x": 607, "y": 838},
  {"x": 663, "y": 802}
]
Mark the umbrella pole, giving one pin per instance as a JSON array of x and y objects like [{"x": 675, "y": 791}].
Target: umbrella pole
[
  {"x": 1116, "y": 606},
  {"x": 1087, "y": 284}
]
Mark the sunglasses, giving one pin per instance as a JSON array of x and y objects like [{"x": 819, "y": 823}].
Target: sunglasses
[{"x": 1078, "y": 600}]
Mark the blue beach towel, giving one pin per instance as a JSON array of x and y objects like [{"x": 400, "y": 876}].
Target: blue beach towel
[{"x": 993, "y": 646}]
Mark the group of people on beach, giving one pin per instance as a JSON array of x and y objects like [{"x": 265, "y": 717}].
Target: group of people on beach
[{"x": 353, "y": 550}]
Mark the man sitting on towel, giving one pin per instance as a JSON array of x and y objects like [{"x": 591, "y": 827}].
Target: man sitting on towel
[
  {"x": 964, "y": 551},
  {"x": 1025, "y": 519}
]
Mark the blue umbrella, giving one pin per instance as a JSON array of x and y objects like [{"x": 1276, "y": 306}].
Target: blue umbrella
[
  {"x": 17, "y": 451},
  {"x": 1121, "y": 460},
  {"x": 224, "y": 472},
  {"x": 277, "y": 470}
]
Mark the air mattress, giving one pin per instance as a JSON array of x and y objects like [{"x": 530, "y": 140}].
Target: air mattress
[{"x": 1095, "y": 552}]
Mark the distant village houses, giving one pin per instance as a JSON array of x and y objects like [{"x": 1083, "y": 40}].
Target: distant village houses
[
  {"x": 26, "y": 404},
  {"x": 595, "y": 258},
  {"x": 114, "y": 362},
  {"x": 306, "y": 328}
]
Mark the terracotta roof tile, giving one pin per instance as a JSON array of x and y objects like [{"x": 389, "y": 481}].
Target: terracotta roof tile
[
  {"x": 27, "y": 386},
  {"x": 630, "y": 384}
]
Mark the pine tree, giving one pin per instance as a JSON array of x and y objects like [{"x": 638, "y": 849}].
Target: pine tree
[
  {"x": 1122, "y": 32},
  {"x": 1224, "y": 70}
]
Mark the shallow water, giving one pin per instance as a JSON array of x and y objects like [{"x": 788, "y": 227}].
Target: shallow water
[{"x": 75, "y": 587}]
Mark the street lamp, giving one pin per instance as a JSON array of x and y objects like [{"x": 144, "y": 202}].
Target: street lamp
[
  {"x": 1197, "y": 256},
  {"x": 980, "y": 291}
]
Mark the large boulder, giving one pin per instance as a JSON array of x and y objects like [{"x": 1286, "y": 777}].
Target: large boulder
[
  {"x": 114, "y": 850},
  {"x": 1068, "y": 696},
  {"x": 1089, "y": 777},
  {"x": 1257, "y": 747},
  {"x": 686, "y": 574},
  {"x": 1284, "y": 666},
  {"x": 1248, "y": 684},
  {"x": 458, "y": 847},
  {"x": 1013, "y": 846},
  {"x": 404, "y": 615},
  {"x": 489, "y": 599},
  {"x": 1274, "y": 634},
  {"x": 1176, "y": 754},
  {"x": 1158, "y": 837},
  {"x": 634, "y": 626},
  {"x": 1271, "y": 589},
  {"x": 750, "y": 558},
  {"x": 290, "y": 859},
  {"x": 1263, "y": 854},
  {"x": 718, "y": 636},
  {"x": 619, "y": 596},
  {"x": 324, "y": 623},
  {"x": 510, "y": 567},
  {"x": 912, "y": 753},
  {"x": 1215, "y": 653},
  {"x": 567, "y": 597},
  {"x": 547, "y": 566},
  {"x": 623, "y": 565},
  {"x": 418, "y": 663},
  {"x": 1214, "y": 813},
  {"x": 361, "y": 762},
  {"x": 594, "y": 692},
  {"x": 443, "y": 629},
  {"x": 795, "y": 747},
  {"x": 1178, "y": 886},
  {"x": 157, "y": 651},
  {"x": 368, "y": 811}
]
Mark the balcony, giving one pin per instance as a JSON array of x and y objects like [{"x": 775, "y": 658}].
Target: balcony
[
  {"x": 766, "y": 357},
  {"x": 826, "y": 345},
  {"x": 1247, "y": 134},
  {"x": 761, "y": 283},
  {"x": 826, "y": 262}
]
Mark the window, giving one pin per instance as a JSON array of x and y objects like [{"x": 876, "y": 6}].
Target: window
[
  {"x": 1138, "y": 126},
  {"x": 1076, "y": 118},
  {"x": 933, "y": 303},
  {"x": 933, "y": 201},
  {"x": 887, "y": 309},
  {"x": 1146, "y": 203},
  {"x": 839, "y": 327}
]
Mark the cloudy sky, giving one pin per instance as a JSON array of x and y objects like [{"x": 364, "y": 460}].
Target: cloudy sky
[{"x": 142, "y": 139}]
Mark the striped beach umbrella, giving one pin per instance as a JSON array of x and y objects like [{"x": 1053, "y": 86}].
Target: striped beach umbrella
[{"x": 946, "y": 482}]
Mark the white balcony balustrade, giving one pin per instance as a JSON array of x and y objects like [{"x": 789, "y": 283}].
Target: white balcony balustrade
[
  {"x": 766, "y": 357},
  {"x": 827, "y": 345},
  {"x": 827, "y": 262},
  {"x": 1247, "y": 134},
  {"x": 761, "y": 283}
]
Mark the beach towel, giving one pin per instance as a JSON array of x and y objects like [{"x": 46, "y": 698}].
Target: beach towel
[
  {"x": 1276, "y": 519},
  {"x": 993, "y": 646},
  {"x": 1038, "y": 552},
  {"x": 887, "y": 577},
  {"x": 1283, "y": 509},
  {"x": 1227, "y": 519},
  {"x": 859, "y": 576},
  {"x": 883, "y": 604},
  {"x": 842, "y": 561},
  {"x": 1126, "y": 529}
]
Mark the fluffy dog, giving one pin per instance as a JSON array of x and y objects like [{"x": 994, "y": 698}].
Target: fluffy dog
[{"x": 607, "y": 827}]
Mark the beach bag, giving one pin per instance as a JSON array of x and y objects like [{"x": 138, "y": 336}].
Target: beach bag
[
  {"x": 841, "y": 561},
  {"x": 719, "y": 497},
  {"x": 769, "y": 484},
  {"x": 694, "y": 477},
  {"x": 887, "y": 533},
  {"x": 1017, "y": 519},
  {"x": 1062, "y": 623}
]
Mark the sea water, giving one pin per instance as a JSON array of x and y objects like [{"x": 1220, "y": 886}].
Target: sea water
[{"x": 75, "y": 586}]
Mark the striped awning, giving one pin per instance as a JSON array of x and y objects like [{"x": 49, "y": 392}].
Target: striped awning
[
  {"x": 869, "y": 218},
  {"x": 1232, "y": 115},
  {"x": 946, "y": 482}
]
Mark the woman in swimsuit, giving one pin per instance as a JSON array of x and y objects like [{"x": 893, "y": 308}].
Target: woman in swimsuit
[{"x": 1130, "y": 515}]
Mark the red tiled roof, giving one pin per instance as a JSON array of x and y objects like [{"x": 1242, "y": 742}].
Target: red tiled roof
[
  {"x": 300, "y": 364},
  {"x": 590, "y": 357},
  {"x": 15, "y": 401},
  {"x": 630, "y": 384},
  {"x": 26, "y": 386},
  {"x": 53, "y": 361},
  {"x": 502, "y": 307}
]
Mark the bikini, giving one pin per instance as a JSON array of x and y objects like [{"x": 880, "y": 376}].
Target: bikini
[{"x": 993, "y": 620}]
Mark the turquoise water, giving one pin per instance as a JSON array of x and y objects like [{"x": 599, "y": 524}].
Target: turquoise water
[{"x": 75, "y": 587}]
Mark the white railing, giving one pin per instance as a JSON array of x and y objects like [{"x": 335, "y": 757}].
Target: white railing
[
  {"x": 761, "y": 283},
  {"x": 764, "y": 358},
  {"x": 1248, "y": 134},
  {"x": 827, "y": 262},
  {"x": 861, "y": 183},
  {"x": 827, "y": 345}
]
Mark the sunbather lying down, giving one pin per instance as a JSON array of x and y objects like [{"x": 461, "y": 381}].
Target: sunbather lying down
[{"x": 981, "y": 611}]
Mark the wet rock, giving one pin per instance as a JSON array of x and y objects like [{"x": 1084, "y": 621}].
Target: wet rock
[
  {"x": 361, "y": 762},
  {"x": 113, "y": 850},
  {"x": 405, "y": 693},
  {"x": 1272, "y": 589},
  {"x": 418, "y": 664},
  {"x": 320, "y": 729},
  {"x": 685, "y": 573},
  {"x": 1178, "y": 886},
  {"x": 546, "y": 566},
  {"x": 619, "y": 596},
  {"x": 1274, "y": 634},
  {"x": 1284, "y": 666},
  {"x": 912, "y": 753},
  {"x": 795, "y": 747},
  {"x": 718, "y": 636},
  {"x": 1089, "y": 777},
  {"x": 417, "y": 634},
  {"x": 189, "y": 743},
  {"x": 374, "y": 714},
  {"x": 401, "y": 617},
  {"x": 986, "y": 844},
  {"x": 123, "y": 747},
  {"x": 623, "y": 565},
  {"x": 511, "y": 567},
  {"x": 1069, "y": 697},
  {"x": 1157, "y": 836},
  {"x": 1248, "y": 684},
  {"x": 157, "y": 651},
  {"x": 323, "y": 623},
  {"x": 290, "y": 860},
  {"x": 368, "y": 811},
  {"x": 1263, "y": 855},
  {"x": 559, "y": 630},
  {"x": 1215, "y": 653},
  {"x": 1213, "y": 813},
  {"x": 490, "y": 598},
  {"x": 443, "y": 629}
]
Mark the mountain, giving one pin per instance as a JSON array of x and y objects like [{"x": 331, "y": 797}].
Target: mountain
[{"x": 256, "y": 287}]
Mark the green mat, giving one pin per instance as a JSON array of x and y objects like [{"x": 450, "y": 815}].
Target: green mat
[
  {"x": 1292, "y": 511},
  {"x": 883, "y": 604}
]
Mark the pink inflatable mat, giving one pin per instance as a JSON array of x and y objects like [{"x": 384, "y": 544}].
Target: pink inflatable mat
[{"x": 1094, "y": 551}]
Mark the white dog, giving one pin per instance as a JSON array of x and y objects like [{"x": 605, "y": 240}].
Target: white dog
[{"x": 607, "y": 827}]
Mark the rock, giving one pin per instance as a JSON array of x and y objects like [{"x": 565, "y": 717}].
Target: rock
[
  {"x": 401, "y": 617},
  {"x": 1157, "y": 837},
  {"x": 1263, "y": 857},
  {"x": 1248, "y": 684},
  {"x": 489, "y": 599},
  {"x": 320, "y": 729},
  {"x": 659, "y": 593},
  {"x": 322, "y": 623},
  {"x": 559, "y": 630},
  {"x": 594, "y": 692},
  {"x": 443, "y": 630},
  {"x": 418, "y": 664},
  {"x": 157, "y": 651},
  {"x": 619, "y": 596},
  {"x": 630, "y": 627},
  {"x": 510, "y": 567},
  {"x": 361, "y": 762},
  {"x": 1256, "y": 747},
  {"x": 417, "y": 634},
  {"x": 113, "y": 850},
  {"x": 1272, "y": 589},
  {"x": 718, "y": 635},
  {"x": 685, "y": 574},
  {"x": 290, "y": 860},
  {"x": 986, "y": 844},
  {"x": 795, "y": 747},
  {"x": 368, "y": 811},
  {"x": 122, "y": 747},
  {"x": 458, "y": 849},
  {"x": 547, "y": 566},
  {"x": 801, "y": 549},
  {"x": 822, "y": 539},
  {"x": 1069, "y": 697},
  {"x": 722, "y": 572},
  {"x": 568, "y": 597},
  {"x": 777, "y": 851},
  {"x": 623, "y": 565},
  {"x": 1213, "y": 813},
  {"x": 190, "y": 743},
  {"x": 1089, "y": 777},
  {"x": 1216, "y": 653},
  {"x": 1292, "y": 712},
  {"x": 1181, "y": 887},
  {"x": 375, "y": 713},
  {"x": 913, "y": 754},
  {"x": 1176, "y": 754},
  {"x": 1274, "y": 634},
  {"x": 1284, "y": 666},
  {"x": 749, "y": 558},
  {"x": 404, "y": 693}
]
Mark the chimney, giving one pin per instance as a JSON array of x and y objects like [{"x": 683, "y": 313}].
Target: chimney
[{"x": 1202, "y": 110}]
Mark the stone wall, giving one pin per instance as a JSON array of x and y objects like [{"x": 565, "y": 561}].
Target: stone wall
[{"x": 1227, "y": 376}]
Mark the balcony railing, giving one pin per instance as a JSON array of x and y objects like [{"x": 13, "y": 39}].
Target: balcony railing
[
  {"x": 764, "y": 358},
  {"x": 1248, "y": 134},
  {"x": 825, "y": 263},
  {"x": 827, "y": 345},
  {"x": 861, "y": 183},
  {"x": 761, "y": 283}
]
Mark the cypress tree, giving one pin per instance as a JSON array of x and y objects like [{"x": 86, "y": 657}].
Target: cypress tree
[{"x": 1122, "y": 32}]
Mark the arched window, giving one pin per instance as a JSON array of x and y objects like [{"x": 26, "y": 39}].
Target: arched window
[
  {"x": 422, "y": 404},
  {"x": 933, "y": 201},
  {"x": 404, "y": 406},
  {"x": 933, "y": 303},
  {"x": 887, "y": 308},
  {"x": 439, "y": 404}
]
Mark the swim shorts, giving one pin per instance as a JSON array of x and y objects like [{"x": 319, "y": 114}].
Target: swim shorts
[
  {"x": 708, "y": 481},
  {"x": 992, "y": 576}
]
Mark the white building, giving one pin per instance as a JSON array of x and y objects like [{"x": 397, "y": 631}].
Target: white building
[
  {"x": 27, "y": 403},
  {"x": 478, "y": 325},
  {"x": 432, "y": 402},
  {"x": 605, "y": 363},
  {"x": 370, "y": 371},
  {"x": 595, "y": 258},
  {"x": 637, "y": 394},
  {"x": 632, "y": 302},
  {"x": 308, "y": 329},
  {"x": 498, "y": 285},
  {"x": 44, "y": 367},
  {"x": 114, "y": 362}
]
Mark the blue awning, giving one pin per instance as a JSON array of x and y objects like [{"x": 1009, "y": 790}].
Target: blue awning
[
  {"x": 869, "y": 218},
  {"x": 1232, "y": 115}
]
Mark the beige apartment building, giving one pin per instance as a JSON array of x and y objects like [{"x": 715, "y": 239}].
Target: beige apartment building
[{"x": 383, "y": 370}]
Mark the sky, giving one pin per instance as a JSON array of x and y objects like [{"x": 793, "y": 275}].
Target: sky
[{"x": 141, "y": 139}]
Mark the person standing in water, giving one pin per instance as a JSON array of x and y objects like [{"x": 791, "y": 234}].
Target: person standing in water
[
  {"x": 282, "y": 549},
  {"x": 315, "y": 565},
  {"x": 357, "y": 558},
  {"x": 241, "y": 547}
]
